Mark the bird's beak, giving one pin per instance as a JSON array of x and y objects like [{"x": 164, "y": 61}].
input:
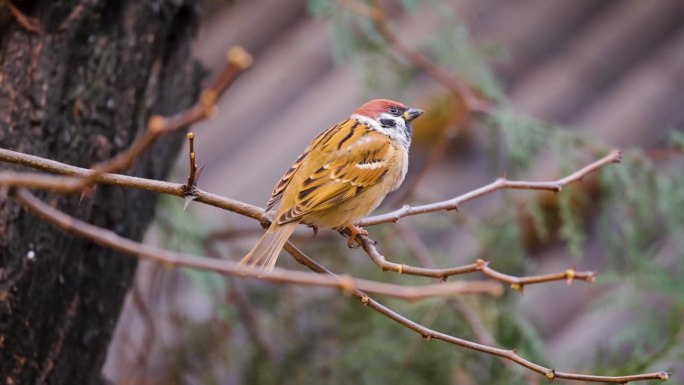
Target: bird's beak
[{"x": 411, "y": 114}]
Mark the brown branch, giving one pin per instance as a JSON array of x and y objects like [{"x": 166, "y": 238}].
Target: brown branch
[
  {"x": 507, "y": 354},
  {"x": 280, "y": 276},
  {"x": 500, "y": 184},
  {"x": 38, "y": 181},
  {"x": 111, "y": 239},
  {"x": 238, "y": 60},
  {"x": 152, "y": 185},
  {"x": 28, "y": 23},
  {"x": 374, "y": 13},
  {"x": 257, "y": 213},
  {"x": 190, "y": 187},
  {"x": 517, "y": 283},
  {"x": 422, "y": 254},
  {"x": 193, "y": 175}
]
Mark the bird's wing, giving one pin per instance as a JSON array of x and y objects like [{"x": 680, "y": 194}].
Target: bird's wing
[
  {"x": 352, "y": 158},
  {"x": 316, "y": 142}
]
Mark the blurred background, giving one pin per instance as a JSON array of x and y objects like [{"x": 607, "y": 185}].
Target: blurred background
[{"x": 567, "y": 82}]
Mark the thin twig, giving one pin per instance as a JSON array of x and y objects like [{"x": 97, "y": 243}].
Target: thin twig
[
  {"x": 500, "y": 184},
  {"x": 280, "y": 276},
  {"x": 257, "y": 213},
  {"x": 347, "y": 284},
  {"x": 517, "y": 283},
  {"x": 422, "y": 254},
  {"x": 238, "y": 60},
  {"x": 28, "y": 23},
  {"x": 507, "y": 354},
  {"x": 192, "y": 176},
  {"x": 456, "y": 86},
  {"x": 191, "y": 186}
]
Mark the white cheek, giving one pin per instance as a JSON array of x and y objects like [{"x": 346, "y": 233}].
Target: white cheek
[{"x": 397, "y": 133}]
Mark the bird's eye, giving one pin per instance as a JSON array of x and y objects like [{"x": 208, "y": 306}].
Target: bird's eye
[{"x": 393, "y": 110}]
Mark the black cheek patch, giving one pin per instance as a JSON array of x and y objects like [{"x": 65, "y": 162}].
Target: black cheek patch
[{"x": 388, "y": 123}]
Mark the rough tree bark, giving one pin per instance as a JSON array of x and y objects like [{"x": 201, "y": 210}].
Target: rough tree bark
[{"x": 79, "y": 92}]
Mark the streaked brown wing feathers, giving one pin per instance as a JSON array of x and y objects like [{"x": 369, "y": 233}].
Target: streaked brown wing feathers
[
  {"x": 284, "y": 181},
  {"x": 357, "y": 159}
]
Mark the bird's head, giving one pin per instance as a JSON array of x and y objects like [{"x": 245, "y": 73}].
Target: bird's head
[{"x": 390, "y": 117}]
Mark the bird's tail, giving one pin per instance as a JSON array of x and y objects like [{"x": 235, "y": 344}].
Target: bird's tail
[{"x": 264, "y": 254}]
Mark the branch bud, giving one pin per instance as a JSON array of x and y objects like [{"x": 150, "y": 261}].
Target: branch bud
[
  {"x": 156, "y": 124},
  {"x": 239, "y": 57}
]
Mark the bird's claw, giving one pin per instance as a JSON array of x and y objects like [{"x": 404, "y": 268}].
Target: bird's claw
[
  {"x": 314, "y": 228},
  {"x": 353, "y": 232}
]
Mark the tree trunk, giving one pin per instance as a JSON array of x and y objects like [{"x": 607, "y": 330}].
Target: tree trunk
[{"x": 80, "y": 92}]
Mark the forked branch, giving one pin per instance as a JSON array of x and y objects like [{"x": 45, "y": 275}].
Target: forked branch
[
  {"x": 346, "y": 284},
  {"x": 169, "y": 258},
  {"x": 516, "y": 283},
  {"x": 459, "y": 88},
  {"x": 508, "y": 354},
  {"x": 500, "y": 184},
  {"x": 237, "y": 61},
  {"x": 257, "y": 213}
]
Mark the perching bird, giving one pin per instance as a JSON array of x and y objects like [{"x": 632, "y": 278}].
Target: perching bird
[{"x": 342, "y": 175}]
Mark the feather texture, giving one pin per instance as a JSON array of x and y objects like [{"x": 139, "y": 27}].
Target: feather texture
[
  {"x": 264, "y": 254},
  {"x": 342, "y": 175}
]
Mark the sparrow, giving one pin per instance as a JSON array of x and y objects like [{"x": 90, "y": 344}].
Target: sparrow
[{"x": 343, "y": 175}]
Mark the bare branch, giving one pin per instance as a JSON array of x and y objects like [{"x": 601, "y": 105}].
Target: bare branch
[
  {"x": 194, "y": 174},
  {"x": 500, "y": 184},
  {"x": 507, "y": 354},
  {"x": 346, "y": 284},
  {"x": 28, "y": 23},
  {"x": 39, "y": 181},
  {"x": 374, "y": 13},
  {"x": 238, "y": 60},
  {"x": 280, "y": 276},
  {"x": 517, "y": 283}
]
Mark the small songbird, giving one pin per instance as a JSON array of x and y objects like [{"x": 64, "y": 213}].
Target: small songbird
[{"x": 342, "y": 176}]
